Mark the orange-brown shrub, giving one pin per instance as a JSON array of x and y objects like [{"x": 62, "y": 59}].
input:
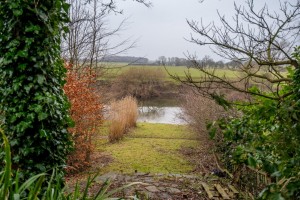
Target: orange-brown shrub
[
  {"x": 123, "y": 116},
  {"x": 86, "y": 112}
]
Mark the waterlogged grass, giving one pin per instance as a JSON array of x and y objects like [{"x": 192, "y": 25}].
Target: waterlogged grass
[{"x": 151, "y": 148}]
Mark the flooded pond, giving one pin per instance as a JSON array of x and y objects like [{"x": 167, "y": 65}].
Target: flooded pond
[{"x": 164, "y": 115}]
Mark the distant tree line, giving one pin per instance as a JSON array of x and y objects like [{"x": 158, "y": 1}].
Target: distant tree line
[
  {"x": 126, "y": 59},
  {"x": 207, "y": 61}
]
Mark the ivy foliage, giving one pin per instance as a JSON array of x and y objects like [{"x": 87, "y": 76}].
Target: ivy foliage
[
  {"x": 32, "y": 76},
  {"x": 267, "y": 137}
]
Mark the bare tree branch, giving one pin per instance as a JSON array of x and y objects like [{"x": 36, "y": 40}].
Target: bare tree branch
[
  {"x": 259, "y": 39},
  {"x": 89, "y": 39}
]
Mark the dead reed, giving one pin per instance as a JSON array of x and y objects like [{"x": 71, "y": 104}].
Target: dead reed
[{"x": 123, "y": 116}]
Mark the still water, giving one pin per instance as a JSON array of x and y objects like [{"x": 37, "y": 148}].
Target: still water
[{"x": 164, "y": 115}]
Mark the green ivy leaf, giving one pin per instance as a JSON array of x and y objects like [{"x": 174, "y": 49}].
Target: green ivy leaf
[
  {"x": 22, "y": 66},
  {"x": 22, "y": 54},
  {"x": 42, "y": 116},
  {"x": 40, "y": 79},
  {"x": 66, "y": 7},
  {"x": 42, "y": 15},
  {"x": 17, "y": 12},
  {"x": 43, "y": 133},
  {"x": 28, "y": 88},
  {"x": 33, "y": 28}
]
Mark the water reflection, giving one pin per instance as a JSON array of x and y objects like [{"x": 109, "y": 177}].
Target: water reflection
[{"x": 164, "y": 115}]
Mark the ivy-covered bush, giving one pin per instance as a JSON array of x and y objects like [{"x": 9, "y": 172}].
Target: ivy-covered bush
[
  {"x": 32, "y": 76},
  {"x": 267, "y": 138}
]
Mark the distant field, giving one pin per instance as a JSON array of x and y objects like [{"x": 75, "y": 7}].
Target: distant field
[{"x": 115, "y": 69}]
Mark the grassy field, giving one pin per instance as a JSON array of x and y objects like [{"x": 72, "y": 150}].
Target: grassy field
[
  {"x": 151, "y": 148},
  {"x": 114, "y": 69}
]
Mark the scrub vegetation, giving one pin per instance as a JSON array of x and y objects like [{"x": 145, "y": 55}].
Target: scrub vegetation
[{"x": 141, "y": 82}]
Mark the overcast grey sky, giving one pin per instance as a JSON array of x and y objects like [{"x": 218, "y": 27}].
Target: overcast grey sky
[{"x": 161, "y": 30}]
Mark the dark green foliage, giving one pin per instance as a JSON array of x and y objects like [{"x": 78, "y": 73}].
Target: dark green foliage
[
  {"x": 267, "y": 137},
  {"x": 32, "y": 76},
  {"x": 11, "y": 187}
]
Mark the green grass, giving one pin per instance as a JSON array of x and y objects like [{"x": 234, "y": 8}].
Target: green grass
[
  {"x": 162, "y": 131},
  {"x": 116, "y": 69},
  {"x": 151, "y": 148}
]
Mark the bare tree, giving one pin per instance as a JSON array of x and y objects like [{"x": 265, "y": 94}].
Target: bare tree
[
  {"x": 260, "y": 40},
  {"x": 89, "y": 37}
]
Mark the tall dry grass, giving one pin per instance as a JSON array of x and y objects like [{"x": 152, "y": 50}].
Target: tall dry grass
[{"x": 123, "y": 116}]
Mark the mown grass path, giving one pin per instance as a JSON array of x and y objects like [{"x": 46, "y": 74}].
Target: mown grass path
[
  {"x": 152, "y": 154},
  {"x": 153, "y": 148}
]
